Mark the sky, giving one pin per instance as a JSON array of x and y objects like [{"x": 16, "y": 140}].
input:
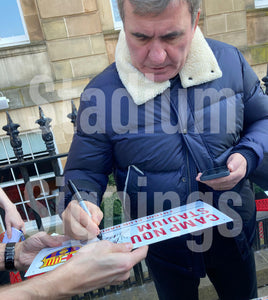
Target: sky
[{"x": 10, "y": 21}]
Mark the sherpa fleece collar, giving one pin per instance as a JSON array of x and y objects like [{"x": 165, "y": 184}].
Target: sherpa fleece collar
[{"x": 201, "y": 66}]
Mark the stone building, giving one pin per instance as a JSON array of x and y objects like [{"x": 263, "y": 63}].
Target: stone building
[{"x": 69, "y": 42}]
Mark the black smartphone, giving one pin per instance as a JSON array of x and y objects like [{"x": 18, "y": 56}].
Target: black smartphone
[{"x": 215, "y": 173}]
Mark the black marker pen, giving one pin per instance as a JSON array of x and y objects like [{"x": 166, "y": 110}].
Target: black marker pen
[{"x": 80, "y": 200}]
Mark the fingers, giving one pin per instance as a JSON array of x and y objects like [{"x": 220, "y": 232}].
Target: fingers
[
  {"x": 221, "y": 184},
  {"x": 45, "y": 240},
  {"x": 139, "y": 254},
  {"x": 78, "y": 224},
  {"x": 54, "y": 241},
  {"x": 13, "y": 219},
  {"x": 20, "y": 226},
  {"x": 96, "y": 213},
  {"x": 23, "y": 228},
  {"x": 106, "y": 247},
  {"x": 237, "y": 165},
  {"x": 121, "y": 278},
  {"x": 198, "y": 177},
  {"x": 133, "y": 257},
  {"x": 75, "y": 230},
  {"x": 136, "y": 255},
  {"x": 128, "y": 261},
  {"x": 110, "y": 263},
  {"x": 9, "y": 230},
  {"x": 125, "y": 247},
  {"x": 123, "y": 251},
  {"x": 233, "y": 163}
]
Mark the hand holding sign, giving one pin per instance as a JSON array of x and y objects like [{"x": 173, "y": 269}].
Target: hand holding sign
[{"x": 140, "y": 232}]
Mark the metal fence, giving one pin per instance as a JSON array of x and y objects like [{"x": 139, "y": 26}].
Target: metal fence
[
  {"x": 261, "y": 237},
  {"x": 20, "y": 168}
]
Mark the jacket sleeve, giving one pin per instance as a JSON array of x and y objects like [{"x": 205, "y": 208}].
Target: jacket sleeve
[
  {"x": 89, "y": 160},
  {"x": 254, "y": 141}
]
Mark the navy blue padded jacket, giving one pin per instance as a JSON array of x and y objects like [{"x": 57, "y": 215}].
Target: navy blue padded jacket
[{"x": 156, "y": 149}]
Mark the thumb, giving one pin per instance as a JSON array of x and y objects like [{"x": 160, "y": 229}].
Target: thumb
[
  {"x": 23, "y": 228},
  {"x": 9, "y": 231},
  {"x": 139, "y": 254},
  {"x": 123, "y": 247},
  {"x": 230, "y": 163}
]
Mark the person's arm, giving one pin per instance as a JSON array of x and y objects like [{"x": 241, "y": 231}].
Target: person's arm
[
  {"x": 93, "y": 266},
  {"x": 247, "y": 154},
  {"x": 26, "y": 251},
  {"x": 12, "y": 216},
  {"x": 88, "y": 165}
]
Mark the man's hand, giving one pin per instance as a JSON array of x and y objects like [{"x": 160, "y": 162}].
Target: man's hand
[
  {"x": 237, "y": 165},
  {"x": 26, "y": 251},
  {"x": 12, "y": 216},
  {"x": 13, "y": 219},
  {"x": 97, "y": 265},
  {"x": 78, "y": 224},
  {"x": 93, "y": 266}
]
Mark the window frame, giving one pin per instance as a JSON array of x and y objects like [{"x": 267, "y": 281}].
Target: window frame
[
  {"x": 118, "y": 24},
  {"x": 17, "y": 39},
  {"x": 261, "y": 3}
]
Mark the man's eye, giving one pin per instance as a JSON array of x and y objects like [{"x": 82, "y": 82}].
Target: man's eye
[
  {"x": 142, "y": 38},
  {"x": 171, "y": 38}
]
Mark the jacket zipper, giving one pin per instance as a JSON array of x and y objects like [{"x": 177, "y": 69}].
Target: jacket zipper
[{"x": 188, "y": 172}]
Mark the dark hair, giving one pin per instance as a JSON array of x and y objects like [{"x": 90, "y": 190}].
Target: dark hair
[{"x": 143, "y": 7}]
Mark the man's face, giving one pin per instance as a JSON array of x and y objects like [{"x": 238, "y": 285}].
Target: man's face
[{"x": 159, "y": 45}]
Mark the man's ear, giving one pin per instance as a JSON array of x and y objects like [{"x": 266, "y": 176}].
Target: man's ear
[{"x": 197, "y": 19}]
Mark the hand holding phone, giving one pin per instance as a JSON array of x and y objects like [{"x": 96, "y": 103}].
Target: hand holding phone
[{"x": 215, "y": 173}]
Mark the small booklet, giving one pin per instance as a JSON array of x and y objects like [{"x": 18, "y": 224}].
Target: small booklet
[
  {"x": 17, "y": 236},
  {"x": 143, "y": 231}
]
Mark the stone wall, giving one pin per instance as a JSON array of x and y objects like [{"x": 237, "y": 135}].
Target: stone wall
[
  {"x": 226, "y": 21},
  {"x": 72, "y": 41},
  {"x": 75, "y": 41},
  {"x": 256, "y": 51},
  {"x": 237, "y": 22},
  {"x": 32, "y": 20},
  {"x": 67, "y": 49}
]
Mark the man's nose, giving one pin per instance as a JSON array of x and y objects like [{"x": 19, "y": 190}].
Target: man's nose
[{"x": 157, "y": 53}]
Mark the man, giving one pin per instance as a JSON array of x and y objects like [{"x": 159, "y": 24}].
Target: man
[
  {"x": 93, "y": 266},
  {"x": 172, "y": 106}
]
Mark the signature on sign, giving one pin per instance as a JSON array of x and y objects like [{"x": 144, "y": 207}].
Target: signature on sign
[{"x": 120, "y": 236}]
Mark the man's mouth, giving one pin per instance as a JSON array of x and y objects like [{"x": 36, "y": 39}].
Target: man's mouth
[{"x": 158, "y": 69}]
